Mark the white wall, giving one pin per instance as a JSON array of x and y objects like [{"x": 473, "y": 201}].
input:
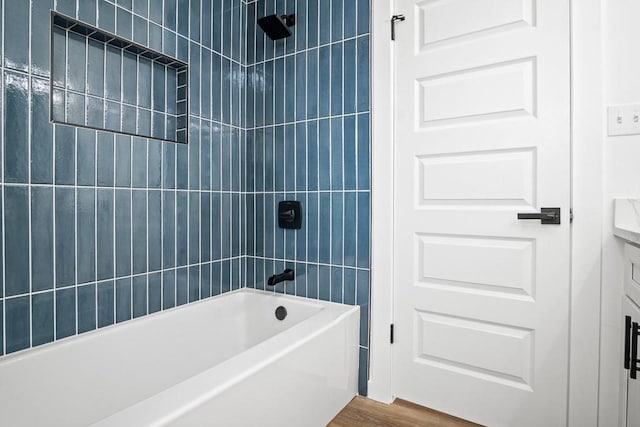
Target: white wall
[{"x": 621, "y": 163}]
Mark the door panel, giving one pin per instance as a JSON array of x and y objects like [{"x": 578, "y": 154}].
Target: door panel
[{"x": 482, "y": 133}]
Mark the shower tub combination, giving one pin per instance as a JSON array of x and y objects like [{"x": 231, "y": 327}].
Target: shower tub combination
[{"x": 224, "y": 361}]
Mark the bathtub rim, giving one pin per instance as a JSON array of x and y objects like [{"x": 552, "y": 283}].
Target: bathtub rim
[{"x": 195, "y": 391}]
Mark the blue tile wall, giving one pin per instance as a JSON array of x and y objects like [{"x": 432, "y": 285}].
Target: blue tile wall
[
  {"x": 105, "y": 227},
  {"x": 307, "y": 138}
]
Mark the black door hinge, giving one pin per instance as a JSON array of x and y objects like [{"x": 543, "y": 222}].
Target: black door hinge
[
  {"x": 391, "y": 334},
  {"x": 395, "y": 18},
  {"x": 571, "y": 216}
]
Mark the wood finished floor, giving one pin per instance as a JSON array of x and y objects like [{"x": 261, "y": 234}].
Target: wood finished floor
[{"x": 365, "y": 412}]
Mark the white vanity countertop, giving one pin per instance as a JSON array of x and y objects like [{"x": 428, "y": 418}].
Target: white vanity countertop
[{"x": 626, "y": 219}]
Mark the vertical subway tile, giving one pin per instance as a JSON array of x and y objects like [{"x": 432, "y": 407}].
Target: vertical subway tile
[
  {"x": 42, "y": 318},
  {"x": 113, "y": 73},
  {"x": 225, "y": 277},
  {"x": 362, "y": 87},
  {"x": 313, "y": 217},
  {"x": 350, "y": 166},
  {"x": 65, "y": 155},
  {"x": 123, "y": 232},
  {"x": 168, "y": 230},
  {"x": 154, "y": 225},
  {"x": 205, "y": 227},
  {"x": 182, "y": 166},
  {"x": 205, "y": 281},
  {"x": 105, "y": 234},
  {"x": 312, "y": 156},
  {"x": 325, "y": 21},
  {"x": 324, "y": 283},
  {"x": 290, "y": 88},
  {"x": 235, "y": 225},
  {"x": 106, "y": 303},
  {"x": 86, "y": 157},
  {"x": 123, "y": 299},
  {"x": 363, "y": 371},
  {"x": 140, "y": 30},
  {"x": 41, "y": 238},
  {"x": 336, "y": 79},
  {"x": 324, "y": 240},
  {"x": 17, "y": 324},
  {"x": 139, "y": 296},
  {"x": 194, "y": 227},
  {"x": 349, "y": 84},
  {"x": 363, "y": 230},
  {"x": 41, "y": 134},
  {"x": 155, "y": 292},
  {"x": 290, "y": 158},
  {"x": 301, "y": 157},
  {"x": 205, "y": 156},
  {"x": 324, "y": 81},
  {"x": 139, "y": 163},
  {"x": 312, "y": 281},
  {"x": 16, "y": 109},
  {"x": 156, "y": 12},
  {"x": 40, "y": 35},
  {"x": 216, "y": 283},
  {"x": 362, "y": 299},
  {"x": 194, "y": 283},
  {"x": 65, "y": 312},
  {"x": 183, "y": 17},
  {"x": 336, "y": 154},
  {"x": 123, "y": 161},
  {"x": 169, "y": 165},
  {"x": 16, "y": 223},
  {"x": 337, "y": 228},
  {"x": 105, "y": 160},
  {"x": 139, "y": 240},
  {"x": 194, "y": 155},
  {"x": 124, "y": 21},
  {"x": 182, "y": 236},
  {"x": 336, "y": 19},
  {"x": 16, "y": 35},
  {"x": 65, "y": 236},
  {"x": 349, "y": 286},
  {"x": 76, "y": 62},
  {"x": 363, "y": 142},
  {"x": 336, "y": 284},
  {"x": 141, "y": 7},
  {"x": 349, "y": 235},
  {"x": 363, "y": 13},
  {"x": 216, "y": 231},
  {"x": 144, "y": 83},
  {"x": 154, "y": 164},
  {"x": 168, "y": 289},
  {"x": 86, "y": 308},
  {"x": 182, "y": 286},
  {"x": 324, "y": 154},
  {"x": 106, "y": 16}
]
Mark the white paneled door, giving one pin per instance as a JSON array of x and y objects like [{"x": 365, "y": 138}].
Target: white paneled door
[{"x": 482, "y": 133}]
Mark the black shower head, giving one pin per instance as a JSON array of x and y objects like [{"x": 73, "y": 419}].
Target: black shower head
[{"x": 277, "y": 27}]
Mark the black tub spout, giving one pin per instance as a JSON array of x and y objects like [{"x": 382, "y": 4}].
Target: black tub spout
[{"x": 288, "y": 274}]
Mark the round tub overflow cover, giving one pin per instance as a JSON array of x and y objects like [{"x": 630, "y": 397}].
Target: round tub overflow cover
[{"x": 281, "y": 313}]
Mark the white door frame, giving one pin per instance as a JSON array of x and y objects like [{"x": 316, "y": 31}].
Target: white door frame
[{"x": 587, "y": 138}]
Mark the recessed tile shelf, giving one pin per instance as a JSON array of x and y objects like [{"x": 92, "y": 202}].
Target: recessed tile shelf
[{"x": 102, "y": 81}]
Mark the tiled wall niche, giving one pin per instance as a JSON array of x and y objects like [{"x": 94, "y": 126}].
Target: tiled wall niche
[{"x": 105, "y": 82}]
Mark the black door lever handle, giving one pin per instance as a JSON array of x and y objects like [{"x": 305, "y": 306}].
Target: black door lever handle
[{"x": 546, "y": 215}]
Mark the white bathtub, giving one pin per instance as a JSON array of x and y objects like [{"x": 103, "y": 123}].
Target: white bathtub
[{"x": 225, "y": 361}]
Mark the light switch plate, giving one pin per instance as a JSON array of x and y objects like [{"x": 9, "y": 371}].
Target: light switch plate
[{"x": 623, "y": 120}]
